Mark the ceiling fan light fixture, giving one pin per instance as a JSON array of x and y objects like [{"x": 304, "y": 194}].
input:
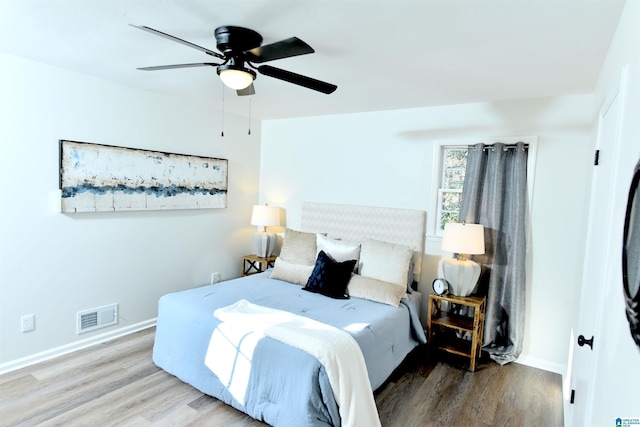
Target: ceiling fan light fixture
[{"x": 236, "y": 77}]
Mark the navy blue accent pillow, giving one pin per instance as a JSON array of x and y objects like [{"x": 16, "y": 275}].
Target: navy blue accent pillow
[{"x": 329, "y": 277}]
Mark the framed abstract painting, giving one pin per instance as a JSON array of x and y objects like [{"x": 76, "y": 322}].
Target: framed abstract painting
[{"x": 104, "y": 178}]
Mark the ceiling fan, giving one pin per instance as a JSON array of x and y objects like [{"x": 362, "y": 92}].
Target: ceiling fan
[{"x": 241, "y": 47}]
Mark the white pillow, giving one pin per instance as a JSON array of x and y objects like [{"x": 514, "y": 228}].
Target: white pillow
[
  {"x": 339, "y": 250},
  {"x": 293, "y": 273},
  {"x": 385, "y": 261},
  {"x": 375, "y": 290}
]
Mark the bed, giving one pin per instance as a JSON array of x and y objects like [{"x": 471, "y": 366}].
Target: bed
[{"x": 278, "y": 381}]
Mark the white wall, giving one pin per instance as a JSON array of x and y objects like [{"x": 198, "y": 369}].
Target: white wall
[
  {"x": 386, "y": 159},
  {"x": 54, "y": 265}
]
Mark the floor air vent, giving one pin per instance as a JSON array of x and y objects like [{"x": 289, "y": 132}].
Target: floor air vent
[{"x": 97, "y": 318}]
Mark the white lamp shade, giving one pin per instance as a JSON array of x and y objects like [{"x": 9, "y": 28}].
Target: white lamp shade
[
  {"x": 265, "y": 216},
  {"x": 236, "y": 79},
  {"x": 463, "y": 238}
]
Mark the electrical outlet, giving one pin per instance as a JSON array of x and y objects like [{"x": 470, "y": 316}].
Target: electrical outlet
[
  {"x": 28, "y": 323},
  {"x": 215, "y": 278}
]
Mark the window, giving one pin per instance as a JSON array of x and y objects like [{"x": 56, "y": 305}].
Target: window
[
  {"x": 450, "y": 163},
  {"x": 454, "y": 163}
]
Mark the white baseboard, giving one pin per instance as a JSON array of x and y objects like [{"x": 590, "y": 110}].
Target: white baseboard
[
  {"x": 542, "y": 364},
  {"x": 74, "y": 346}
]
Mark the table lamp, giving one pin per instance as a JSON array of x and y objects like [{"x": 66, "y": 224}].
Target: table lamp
[
  {"x": 263, "y": 217},
  {"x": 463, "y": 239}
]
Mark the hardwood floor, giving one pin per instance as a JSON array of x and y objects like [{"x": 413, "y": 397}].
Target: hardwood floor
[{"x": 117, "y": 384}]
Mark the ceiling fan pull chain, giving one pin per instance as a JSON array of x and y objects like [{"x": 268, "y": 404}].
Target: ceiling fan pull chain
[
  {"x": 222, "y": 133},
  {"x": 249, "y": 133}
]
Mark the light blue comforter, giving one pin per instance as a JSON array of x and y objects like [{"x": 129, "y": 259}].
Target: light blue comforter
[{"x": 287, "y": 386}]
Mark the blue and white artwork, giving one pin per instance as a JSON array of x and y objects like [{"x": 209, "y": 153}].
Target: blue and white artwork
[{"x": 99, "y": 178}]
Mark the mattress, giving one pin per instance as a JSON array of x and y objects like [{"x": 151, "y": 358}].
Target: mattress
[{"x": 286, "y": 387}]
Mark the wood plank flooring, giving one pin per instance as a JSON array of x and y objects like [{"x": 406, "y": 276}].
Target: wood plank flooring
[{"x": 117, "y": 384}]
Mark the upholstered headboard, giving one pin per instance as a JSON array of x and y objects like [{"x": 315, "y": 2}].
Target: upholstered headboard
[{"x": 355, "y": 223}]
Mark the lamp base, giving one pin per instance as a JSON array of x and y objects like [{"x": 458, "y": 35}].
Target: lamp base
[
  {"x": 461, "y": 275},
  {"x": 263, "y": 243}
]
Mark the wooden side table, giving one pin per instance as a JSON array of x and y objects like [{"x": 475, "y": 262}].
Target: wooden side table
[
  {"x": 253, "y": 264},
  {"x": 445, "y": 326}
]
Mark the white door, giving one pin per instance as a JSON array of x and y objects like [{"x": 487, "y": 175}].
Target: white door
[
  {"x": 598, "y": 255},
  {"x": 606, "y": 380}
]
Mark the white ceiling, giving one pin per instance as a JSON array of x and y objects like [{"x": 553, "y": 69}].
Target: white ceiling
[{"x": 383, "y": 55}]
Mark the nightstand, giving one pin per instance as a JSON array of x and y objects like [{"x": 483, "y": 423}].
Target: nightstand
[
  {"x": 253, "y": 264},
  {"x": 447, "y": 323}
]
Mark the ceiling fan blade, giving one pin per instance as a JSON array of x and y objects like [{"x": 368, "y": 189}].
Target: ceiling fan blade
[
  {"x": 283, "y": 49},
  {"x": 297, "y": 79},
  {"x": 169, "y": 67},
  {"x": 249, "y": 90},
  {"x": 176, "y": 39}
]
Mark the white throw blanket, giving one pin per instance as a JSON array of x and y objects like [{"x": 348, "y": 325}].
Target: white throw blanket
[{"x": 244, "y": 324}]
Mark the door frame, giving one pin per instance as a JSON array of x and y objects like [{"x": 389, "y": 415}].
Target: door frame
[{"x": 590, "y": 318}]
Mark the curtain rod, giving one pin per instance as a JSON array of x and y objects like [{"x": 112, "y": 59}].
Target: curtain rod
[{"x": 505, "y": 148}]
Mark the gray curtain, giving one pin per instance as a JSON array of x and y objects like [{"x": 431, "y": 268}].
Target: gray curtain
[{"x": 495, "y": 195}]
